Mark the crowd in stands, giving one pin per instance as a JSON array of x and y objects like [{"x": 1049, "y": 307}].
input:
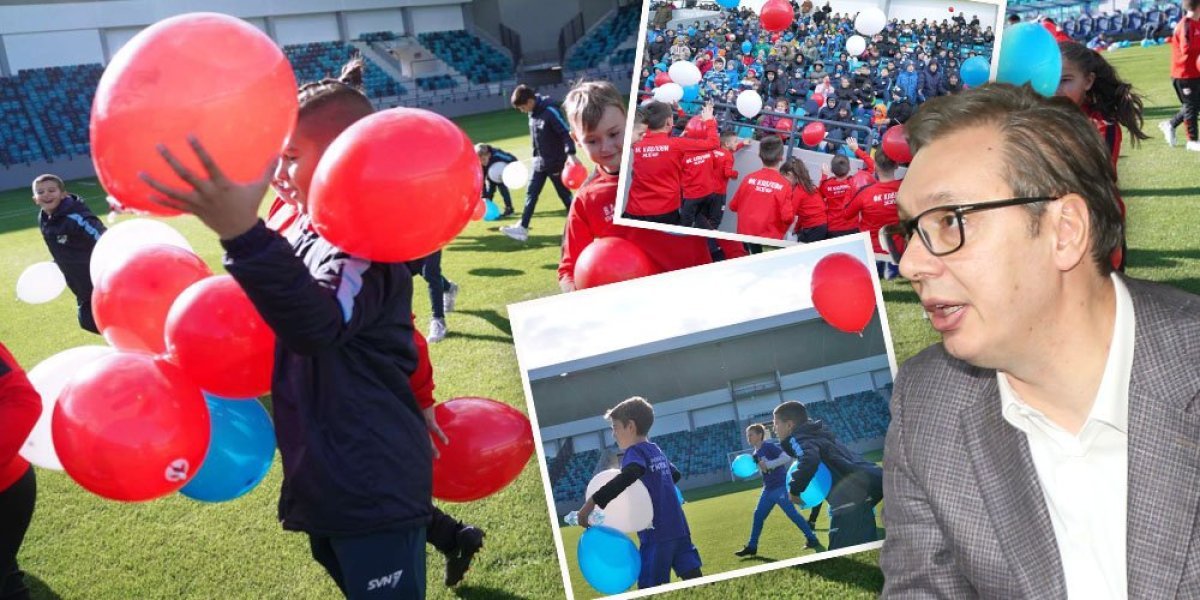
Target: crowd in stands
[{"x": 602, "y": 41}]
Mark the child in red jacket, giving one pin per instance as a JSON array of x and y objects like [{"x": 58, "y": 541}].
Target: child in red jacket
[
  {"x": 723, "y": 172},
  {"x": 1185, "y": 76},
  {"x": 655, "y": 193},
  {"x": 20, "y": 407},
  {"x": 812, "y": 225},
  {"x": 763, "y": 201},
  {"x": 876, "y": 203},
  {"x": 838, "y": 187}
]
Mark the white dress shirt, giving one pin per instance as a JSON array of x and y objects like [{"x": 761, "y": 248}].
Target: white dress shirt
[{"x": 1085, "y": 477}]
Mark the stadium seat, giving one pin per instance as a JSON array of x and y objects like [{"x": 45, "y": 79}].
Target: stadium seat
[
  {"x": 478, "y": 61},
  {"x": 318, "y": 60},
  {"x": 599, "y": 44}
]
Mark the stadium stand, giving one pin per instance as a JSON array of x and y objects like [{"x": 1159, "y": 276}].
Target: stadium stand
[
  {"x": 599, "y": 44},
  {"x": 477, "y": 60},
  {"x": 580, "y": 467},
  {"x": 60, "y": 101},
  {"x": 317, "y": 60},
  {"x": 437, "y": 82},
  {"x": 18, "y": 140}
]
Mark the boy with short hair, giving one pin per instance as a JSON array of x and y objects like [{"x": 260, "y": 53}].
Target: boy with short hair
[
  {"x": 764, "y": 199},
  {"x": 723, "y": 173},
  {"x": 667, "y": 544},
  {"x": 857, "y": 484},
  {"x": 488, "y": 156},
  {"x": 773, "y": 463},
  {"x": 70, "y": 231}
]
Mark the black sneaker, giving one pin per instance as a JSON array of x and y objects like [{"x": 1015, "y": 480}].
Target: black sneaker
[
  {"x": 508, "y": 212},
  {"x": 747, "y": 551},
  {"x": 815, "y": 544},
  {"x": 470, "y": 541}
]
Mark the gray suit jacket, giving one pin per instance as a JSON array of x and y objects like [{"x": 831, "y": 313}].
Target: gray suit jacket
[{"x": 964, "y": 511}]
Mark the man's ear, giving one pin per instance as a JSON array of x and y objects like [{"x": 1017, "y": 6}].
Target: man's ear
[{"x": 1070, "y": 226}]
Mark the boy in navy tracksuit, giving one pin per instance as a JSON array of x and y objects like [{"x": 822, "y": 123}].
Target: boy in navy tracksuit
[
  {"x": 773, "y": 464},
  {"x": 553, "y": 150},
  {"x": 71, "y": 231},
  {"x": 667, "y": 544},
  {"x": 857, "y": 484},
  {"x": 488, "y": 156}
]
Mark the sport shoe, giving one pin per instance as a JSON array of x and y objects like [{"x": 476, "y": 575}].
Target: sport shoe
[
  {"x": 815, "y": 544},
  {"x": 449, "y": 296},
  {"x": 515, "y": 232},
  {"x": 1193, "y": 146},
  {"x": 437, "y": 330},
  {"x": 470, "y": 541},
  {"x": 1168, "y": 132},
  {"x": 747, "y": 551},
  {"x": 508, "y": 212}
]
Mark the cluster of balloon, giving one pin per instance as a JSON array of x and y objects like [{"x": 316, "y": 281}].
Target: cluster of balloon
[
  {"x": 49, "y": 378},
  {"x": 130, "y": 426},
  {"x": 610, "y": 260},
  {"x": 661, "y": 78},
  {"x": 895, "y": 145},
  {"x": 133, "y": 297},
  {"x": 515, "y": 175},
  {"x": 975, "y": 71},
  {"x": 217, "y": 337},
  {"x": 240, "y": 450},
  {"x": 362, "y": 203},
  {"x": 776, "y": 15},
  {"x": 749, "y": 103},
  {"x": 157, "y": 90},
  {"x": 125, "y": 238},
  {"x": 608, "y": 559},
  {"x": 631, "y": 510},
  {"x": 818, "y": 487},
  {"x": 1030, "y": 55},
  {"x": 574, "y": 175},
  {"x": 490, "y": 443},
  {"x": 813, "y": 133},
  {"x": 669, "y": 92},
  {"x": 40, "y": 283},
  {"x": 743, "y": 466},
  {"x": 843, "y": 292}
]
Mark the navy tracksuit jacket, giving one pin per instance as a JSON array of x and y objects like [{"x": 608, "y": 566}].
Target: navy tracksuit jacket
[
  {"x": 551, "y": 136},
  {"x": 71, "y": 233}
]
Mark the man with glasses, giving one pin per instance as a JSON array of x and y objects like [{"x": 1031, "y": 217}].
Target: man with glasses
[{"x": 1061, "y": 392}]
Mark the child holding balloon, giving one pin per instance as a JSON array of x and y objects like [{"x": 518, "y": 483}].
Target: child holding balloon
[
  {"x": 70, "y": 231},
  {"x": 772, "y": 462},
  {"x": 489, "y": 158},
  {"x": 20, "y": 407},
  {"x": 357, "y": 458}
]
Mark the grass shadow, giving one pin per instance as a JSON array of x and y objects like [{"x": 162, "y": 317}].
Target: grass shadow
[
  {"x": 474, "y": 336},
  {"x": 496, "y": 319},
  {"x": 502, "y": 243},
  {"x": 848, "y": 572},
  {"x": 38, "y": 590},
  {"x": 550, "y": 267},
  {"x": 1167, "y": 192},
  {"x": 489, "y": 272},
  {"x": 479, "y": 592}
]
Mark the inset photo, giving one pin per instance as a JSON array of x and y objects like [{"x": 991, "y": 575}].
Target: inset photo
[{"x": 690, "y": 433}]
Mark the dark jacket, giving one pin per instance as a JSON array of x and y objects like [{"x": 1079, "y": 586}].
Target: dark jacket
[
  {"x": 71, "y": 234},
  {"x": 551, "y": 136},
  {"x": 497, "y": 156},
  {"x": 933, "y": 84},
  {"x": 899, "y": 111},
  {"x": 354, "y": 444},
  {"x": 855, "y": 481}
]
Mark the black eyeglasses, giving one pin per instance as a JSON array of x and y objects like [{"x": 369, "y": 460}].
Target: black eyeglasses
[{"x": 941, "y": 227}]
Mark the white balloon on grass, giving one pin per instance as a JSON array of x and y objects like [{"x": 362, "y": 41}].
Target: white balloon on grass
[
  {"x": 749, "y": 103},
  {"x": 631, "y": 510},
  {"x": 49, "y": 378},
  {"x": 684, "y": 73},
  {"x": 515, "y": 174},
  {"x": 126, "y": 237},
  {"x": 669, "y": 93},
  {"x": 870, "y": 21},
  {"x": 40, "y": 283},
  {"x": 496, "y": 172},
  {"x": 856, "y": 45}
]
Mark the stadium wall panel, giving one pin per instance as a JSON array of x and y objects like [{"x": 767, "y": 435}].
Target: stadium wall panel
[
  {"x": 368, "y": 21},
  {"x": 436, "y": 18},
  {"x": 52, "y": 48}
]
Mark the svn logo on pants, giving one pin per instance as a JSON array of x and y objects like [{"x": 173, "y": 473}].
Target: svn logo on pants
[{"x": 392, "y": 580}]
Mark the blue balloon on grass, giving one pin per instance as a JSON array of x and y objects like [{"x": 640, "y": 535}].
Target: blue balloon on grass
[
  {"x": 1030, "y": 55},
  {"x": 728, "y": 3},
  {"x": 240, "y": 453},
  {"x": 818, "y": 486},
  {"x": 691, "y": 93},
  {"x": 747, "y": 47},
  {"x": 744, "y": 466},
  {"x": 608, "y": 559},
  {"x": 975, "y": 71},
  {"x": 491, "y": 212}
]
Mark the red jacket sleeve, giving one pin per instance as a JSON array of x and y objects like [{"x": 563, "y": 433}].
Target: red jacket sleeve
[
  {"x": 20, "y": 407},
  {"x": 578, "y": 235},
  {"x": 422, "y": 379},
  {"x": 868, "y": 162},
  {"x": 728, "y": 171}
]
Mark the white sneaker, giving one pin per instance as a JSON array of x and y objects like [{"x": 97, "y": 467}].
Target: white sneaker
[
  {"x": 449, "y": 296},
  {"x": 515, "y": 232},
  {"x": 437, "y": 330},
  {"x": 1193, "y": 146},
  {"x": 1168, "y": 132}
]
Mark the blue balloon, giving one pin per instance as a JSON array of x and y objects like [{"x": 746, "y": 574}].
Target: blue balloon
[
  {"x": 747, "y": 47},
  {"x": 691, "y": 32},
  {"x": 818, "y": 486},
  {"x": 491, "y": 212},
  {"x": 728, "y": 3},
  {"x": 679, "y": 495},
  {"x": 608, "y": 559},
  {"x": 975, "y": 71},
  {"x": 1030, "y": 55},
  {"x": 240, "y": 453},
  {"x": 744, "y": 466},
  {"x": 691, "y": 92}
]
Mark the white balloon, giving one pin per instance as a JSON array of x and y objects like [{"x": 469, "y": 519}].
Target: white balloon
[
  {"x": 515, "y": 174},
  {"x": 669, "y": 93},
  {"x": 749, "y": 103},
  {"x": 49, "y": 378},
  {"x": 684, "y": 73},
  {"x": 496, "y": 172},
  {"x": 870, "y": 21},
  {"x": 125, "y": 237},
  {"x": 631, "y": 510},
  {"x": 40, "y": 283},
  {"x": 856, "y": 45}
]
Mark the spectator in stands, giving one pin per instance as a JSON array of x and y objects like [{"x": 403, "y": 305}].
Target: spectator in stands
[
  {"x": 20, "y": 407},
  {"x": 812, "y": 224},
  {"x": 953, "y": 84},
  {"x": 70, "y": 231},
  {"x": 909, "y": 81},
  {"x": 772, "y": 121},
  {"x": 933, "y": 84},
  {"x": 773, "y": 87},
  {"x": 1185, "y": 76},
  {"x": 667, "y": 544},
  {"x": 899, "y": 109},
  {"x": 857, "y": 484},
  {"x": 553, "y": 151},
  {"x": 763, "y": 201},
  {"x": 488, "y": 156},
  {"x": 773, "y": 464}
]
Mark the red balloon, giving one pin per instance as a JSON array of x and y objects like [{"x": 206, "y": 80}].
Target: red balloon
[
  {"x": 776, "y": 15},
  {"x": 895, "y": 145},
  {"x": 784, "y": 126},
  {"x": 842, "y": 292},
  {"x": 609, "y": 260},
  {"x": 813, "y": 133},
  {"x": 130, "y": 426},
  {"x": 396, "y": 186},
  {"x": 574, "y": 175},
  {"x": 951, "y": 9},
  {"x": 480, "y": 209},
  {"x": 695, "y": 129},
  {"x": 661, "y": 78},
  {"x": 490, "y": 443},
  {"x": 238, "y": 96},
  {"x": 132, "y": 299},
  {"x": 217, "y": 336},
  {"x": 819, "y": 99}
]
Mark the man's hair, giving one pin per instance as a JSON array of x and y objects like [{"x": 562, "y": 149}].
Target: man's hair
[
  {"x": 48, "y": 177},
  {"x": 770, "y": 150},
  {"x": 792, "y": 411},
  {"x": 482, "y": 150},
  {"x": 633, "y": 410},
  {"x": 1050, "y": 149},
  {"x": 588, "y": 100},
  {"x": 884, "y": 163},
  {"x": 840, "y": 165},
  {"x": 757, "y": 428},
  {"x": 656, "y": 114},
  {"x": 522, "y": 94}
]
